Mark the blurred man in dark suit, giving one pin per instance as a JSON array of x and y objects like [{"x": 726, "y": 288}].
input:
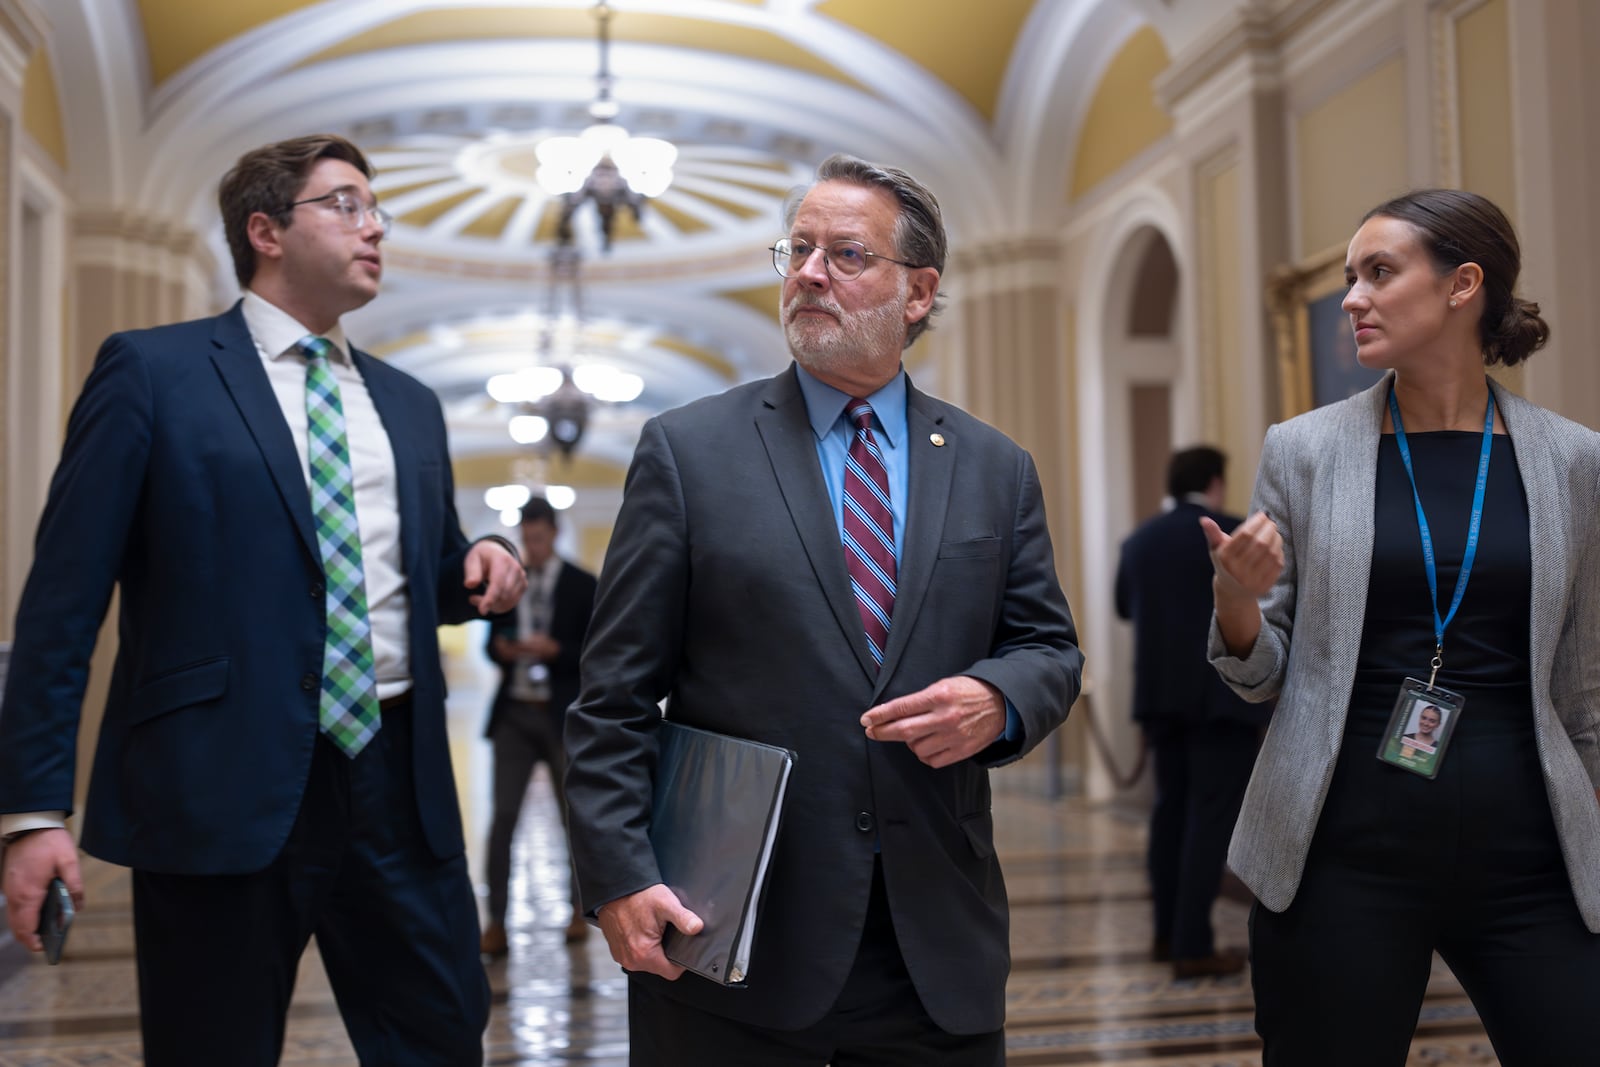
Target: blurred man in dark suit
[
  {"x": 1201, "y": 735},
  {"x": 537, "y": 646}
]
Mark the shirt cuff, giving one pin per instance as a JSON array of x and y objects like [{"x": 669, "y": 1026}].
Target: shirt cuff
[
  {"x": 18, "y": 822},
  {"x": 505, "y": 543},
  {"x": 1013, "y": 724}
]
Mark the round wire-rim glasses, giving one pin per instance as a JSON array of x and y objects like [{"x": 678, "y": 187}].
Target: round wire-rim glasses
[{"x": 842, "y": 260}]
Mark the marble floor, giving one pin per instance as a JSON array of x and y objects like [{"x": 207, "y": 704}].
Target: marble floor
[{"x": 1082, "y": 989}]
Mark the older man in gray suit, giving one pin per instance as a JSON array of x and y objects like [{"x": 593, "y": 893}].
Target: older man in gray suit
[{"x": 833, "y": 562}]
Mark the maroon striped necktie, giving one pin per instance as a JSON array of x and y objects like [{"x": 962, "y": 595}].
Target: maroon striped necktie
[{"x": 869, "y": 529}]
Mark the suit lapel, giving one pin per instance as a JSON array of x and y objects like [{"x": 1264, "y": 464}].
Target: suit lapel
[
  {"x": 1347, "y": 528},
  {"x": 930, "y": 473},
  {"x": 1542, "y": 480},
  {"x": 239, "y": 364},
  {"x": 791, "y": 447}
]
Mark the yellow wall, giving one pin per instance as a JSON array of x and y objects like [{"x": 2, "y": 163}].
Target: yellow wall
[
  {"x": 41, "y": 108},
  {"x": 1123, "y": 118},
  {"x": 968, "y": 50},
  {"x": 1483, "y": 96},
  {"x": 1350, "y": 154},
  {"x": 592, "y": 544}
]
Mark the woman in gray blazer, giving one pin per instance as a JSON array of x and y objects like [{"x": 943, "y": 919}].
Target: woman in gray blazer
[{"x": 1432, "y": 539}]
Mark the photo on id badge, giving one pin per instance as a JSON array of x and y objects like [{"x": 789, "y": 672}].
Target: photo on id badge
[{"x": 1420, "y": 728}]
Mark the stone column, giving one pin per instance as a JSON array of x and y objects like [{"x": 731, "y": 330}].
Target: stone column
[
  {"x": 1004, "y": 355},
  {"x": 131, "y": 272}
]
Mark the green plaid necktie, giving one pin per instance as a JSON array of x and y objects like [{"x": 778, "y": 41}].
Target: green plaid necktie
[{"x": 349, "y": 708}]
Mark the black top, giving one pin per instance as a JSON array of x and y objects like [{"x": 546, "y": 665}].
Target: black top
[{"x": 1486, "y": 646}]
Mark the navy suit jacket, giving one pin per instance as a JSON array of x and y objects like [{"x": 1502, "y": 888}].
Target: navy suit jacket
[
  {"x": 571, "y": 604},
  {"x": 1164, "y": 587},
  {"x": 179, "y": 484},
  {"x": 725, "y": 591}
]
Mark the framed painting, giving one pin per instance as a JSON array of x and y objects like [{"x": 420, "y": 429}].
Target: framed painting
[{"x": 1316, "y": 348}]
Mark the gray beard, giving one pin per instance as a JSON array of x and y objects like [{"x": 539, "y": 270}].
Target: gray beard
[{"x": 842, "y": 346}]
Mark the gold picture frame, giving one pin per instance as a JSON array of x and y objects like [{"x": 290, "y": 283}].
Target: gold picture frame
[{"x": 1316, "y": 349}]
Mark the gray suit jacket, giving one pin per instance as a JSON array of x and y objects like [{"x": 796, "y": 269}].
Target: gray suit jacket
[
  {"x": 1316, "y": 480},
  {"x": 725, "y": 591}
]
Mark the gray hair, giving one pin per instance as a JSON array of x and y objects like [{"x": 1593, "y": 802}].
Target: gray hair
[{"x": 919, "y": 235}]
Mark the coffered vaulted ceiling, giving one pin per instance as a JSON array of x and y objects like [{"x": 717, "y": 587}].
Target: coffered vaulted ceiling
[{"x": 450, "y": 96}]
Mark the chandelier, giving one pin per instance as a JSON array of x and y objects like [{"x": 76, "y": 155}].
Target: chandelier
[
  {"x": 603, "y": 164},
  {"x": 551, "y": 400}
]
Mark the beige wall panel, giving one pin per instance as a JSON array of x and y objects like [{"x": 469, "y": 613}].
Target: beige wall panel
[
  {"x": 1064, "y": 523},
  {"x": 976, "y": 331},
  {"x": 1041, "y": 371},
  {"x": 1483, "y": 88},
  {"x": 1557, "y": 167},
  {"x": 1350, "y": 153},
  {"x": 1150, "y": 446},
  {"x": 1010, "y": 359}
]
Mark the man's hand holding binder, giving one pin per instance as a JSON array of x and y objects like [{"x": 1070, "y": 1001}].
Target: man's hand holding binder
[{"x": 635, "y": 924}]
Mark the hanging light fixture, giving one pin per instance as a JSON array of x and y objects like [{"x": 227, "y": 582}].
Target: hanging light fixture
[
  {"x": 603, "y": 164},
  {"x": 551, "y": 399}
]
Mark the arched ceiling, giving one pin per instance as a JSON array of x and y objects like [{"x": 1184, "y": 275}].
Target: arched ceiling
[{"x": 449, "y": 98}]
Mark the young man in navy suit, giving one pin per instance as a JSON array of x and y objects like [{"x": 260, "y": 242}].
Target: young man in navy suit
[{"x": 276, "y": 510}]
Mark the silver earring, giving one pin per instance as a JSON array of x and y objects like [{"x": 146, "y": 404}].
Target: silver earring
[{"x": 1452, "y": 303}]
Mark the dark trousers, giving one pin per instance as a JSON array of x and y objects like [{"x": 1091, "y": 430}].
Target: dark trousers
[
  {"x": 1467, "y": 864},
  {"x": 1201, "y": 770},
  {"x": 396, "y": 927},
  {"x": 878, "y": 1021},
  {"x": 525, "y": 735}
]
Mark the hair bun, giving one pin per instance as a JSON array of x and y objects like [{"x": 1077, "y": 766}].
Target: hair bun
[{"x": 1520, "y": 334}]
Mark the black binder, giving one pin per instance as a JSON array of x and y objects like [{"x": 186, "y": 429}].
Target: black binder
[{"x": 718, "y": 802}]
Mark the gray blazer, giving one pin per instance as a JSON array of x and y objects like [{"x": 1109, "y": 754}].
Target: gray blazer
[{"x": 1316, "y": 481}]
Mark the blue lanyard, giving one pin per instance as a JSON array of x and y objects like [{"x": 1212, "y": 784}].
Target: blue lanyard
[{"x": 1427, "y": 539}]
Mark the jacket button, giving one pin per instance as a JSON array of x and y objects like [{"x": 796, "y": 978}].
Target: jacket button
[
  {"x": 864, "y": 821},
  {"x": 308, "y": 681},
  {"x": 318, "y": 590}
]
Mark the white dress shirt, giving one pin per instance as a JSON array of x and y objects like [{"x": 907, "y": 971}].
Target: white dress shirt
[
  {"x": 276, "y": 334},
  {"x": 530, "y": 678}
]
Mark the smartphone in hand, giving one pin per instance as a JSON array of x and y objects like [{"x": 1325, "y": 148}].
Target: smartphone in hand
[{"x": 55, "y": 919}]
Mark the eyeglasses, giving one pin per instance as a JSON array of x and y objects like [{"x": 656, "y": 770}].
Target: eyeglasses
[
  {"x": 352, "y": 211},
  {"x": 843, "y": 260}
]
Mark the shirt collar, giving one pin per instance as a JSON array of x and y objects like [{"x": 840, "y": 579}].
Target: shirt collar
[
  {"x": 276, "y": 332},
  {"x": 825, "y": 404}
]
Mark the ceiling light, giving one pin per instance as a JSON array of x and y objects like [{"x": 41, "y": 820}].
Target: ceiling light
[{"x": 603, "y": 164}]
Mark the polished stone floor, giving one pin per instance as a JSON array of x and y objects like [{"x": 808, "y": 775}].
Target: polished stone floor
[{"x": 1082, "y": 989}]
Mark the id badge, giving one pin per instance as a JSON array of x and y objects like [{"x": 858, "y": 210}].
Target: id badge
[{"x": 1423, "y": 722}]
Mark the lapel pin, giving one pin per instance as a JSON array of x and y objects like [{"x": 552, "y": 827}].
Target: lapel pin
[{"x": 937, "y": 439}]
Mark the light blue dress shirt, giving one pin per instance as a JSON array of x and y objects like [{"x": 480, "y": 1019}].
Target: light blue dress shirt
[{"x": 825, "y": 408}]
